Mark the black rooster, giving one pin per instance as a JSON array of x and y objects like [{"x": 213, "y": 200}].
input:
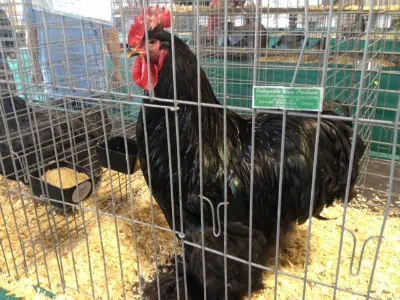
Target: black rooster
[
  {"x": 333, "y": 162},
  {"x": 22, "y": 126},
  {"x": 243, "y": 36},
  {"x": 290, "y": 41}
]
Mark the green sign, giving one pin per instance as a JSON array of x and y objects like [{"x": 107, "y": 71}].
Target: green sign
[{"x": 288, "y": 98}]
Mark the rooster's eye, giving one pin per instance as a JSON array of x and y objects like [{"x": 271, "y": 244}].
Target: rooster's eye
[{"x": 152, "y": 42}]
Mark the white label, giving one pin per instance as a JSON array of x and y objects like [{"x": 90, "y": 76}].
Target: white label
[
  {"x": 81, "y": 192},
  {"x": 98, "y": 10}
]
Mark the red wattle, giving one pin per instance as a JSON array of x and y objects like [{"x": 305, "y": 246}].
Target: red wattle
[{"x": 140, "y": 73}]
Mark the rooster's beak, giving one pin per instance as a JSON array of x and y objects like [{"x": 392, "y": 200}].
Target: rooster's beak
[{"x": 133, "y": 52}]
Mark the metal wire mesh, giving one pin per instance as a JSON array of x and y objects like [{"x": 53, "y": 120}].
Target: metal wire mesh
[{"x": 349, "y": 48}]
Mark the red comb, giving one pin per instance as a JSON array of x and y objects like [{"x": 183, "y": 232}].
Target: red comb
[{"x": 154, "y": 18}]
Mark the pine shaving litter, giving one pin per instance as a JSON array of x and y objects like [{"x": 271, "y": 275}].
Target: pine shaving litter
[
  {"x": 314, "y": 59},
  {"x": 68, "y": 177},
  {"x": 24, "y": 288},
  {"x": 77, "y": 247},
  {"x": 377, "y": 8}
]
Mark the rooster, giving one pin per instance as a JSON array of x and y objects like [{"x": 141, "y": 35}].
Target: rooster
[
  {"x": 333, "y": 165},
  {"x": 290, "y": 41},
  {"x": 238, "y": 36}
]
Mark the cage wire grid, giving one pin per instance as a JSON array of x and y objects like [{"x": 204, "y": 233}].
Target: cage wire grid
[{"x": 300, "y": 44}]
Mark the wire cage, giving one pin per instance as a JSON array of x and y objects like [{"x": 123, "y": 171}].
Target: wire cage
[{"x": 80, "y": 217}]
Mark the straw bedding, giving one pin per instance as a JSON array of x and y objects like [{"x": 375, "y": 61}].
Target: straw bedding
[
  {"x": 396, "y": 7},
  {"x": 77, "y": 245},
  {"x": 315, "y": 59}
]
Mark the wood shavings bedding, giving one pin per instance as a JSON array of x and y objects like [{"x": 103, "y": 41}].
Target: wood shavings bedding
[
  {"x": 25, "y": 289},
  {"x": 75, "y": 250},
  {"x": 394, "y": 7},
  {"x": 383, "y": 37},
  {"x": 78, "y": 251},
  {"x": 376, "y": 8},
  {"x": 67, "y": 176},
  {"x": 188, "y": 8},
  {"x": 325, "y": 241},
  {"x": 313, "y": 59}
]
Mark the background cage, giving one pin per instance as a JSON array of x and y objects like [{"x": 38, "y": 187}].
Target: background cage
[{"x": 37, "y": 240}]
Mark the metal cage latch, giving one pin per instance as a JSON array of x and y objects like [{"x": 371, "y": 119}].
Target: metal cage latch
[
  {"x": 215, "y": 232},
  {"x": 357, "y": 272}
]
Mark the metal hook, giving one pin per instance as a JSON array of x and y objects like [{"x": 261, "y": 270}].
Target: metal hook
[
  {"x": 362, "y": 251},
  {"x": 216, "y": 233},
  {"x": 23, "y": 165}
]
